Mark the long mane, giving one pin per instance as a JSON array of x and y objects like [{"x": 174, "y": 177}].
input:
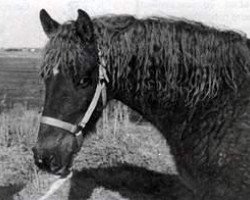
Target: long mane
[
  {"x": 169, "y": 58},
  {"x": 174, "y": 58}
]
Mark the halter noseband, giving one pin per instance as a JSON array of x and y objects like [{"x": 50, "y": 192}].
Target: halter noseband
[{"x": 76, "y": 130}]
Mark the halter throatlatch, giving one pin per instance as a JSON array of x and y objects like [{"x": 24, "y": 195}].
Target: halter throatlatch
[{"x": 76, "y": 130}]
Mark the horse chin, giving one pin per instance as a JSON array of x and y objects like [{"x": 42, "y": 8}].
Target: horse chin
[{"x": 63, "y": 172}]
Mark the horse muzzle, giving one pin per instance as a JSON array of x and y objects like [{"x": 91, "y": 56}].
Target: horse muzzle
[{"x": 49, "y": 163}]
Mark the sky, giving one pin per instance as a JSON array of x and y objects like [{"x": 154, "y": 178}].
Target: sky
[{"x": 20, "y": 25}]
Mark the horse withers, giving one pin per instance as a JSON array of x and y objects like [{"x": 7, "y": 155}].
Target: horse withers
[{"x": 189, "y": 80}]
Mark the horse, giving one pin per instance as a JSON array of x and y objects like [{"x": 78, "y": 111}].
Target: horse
[{"x": 191, "y": 81}]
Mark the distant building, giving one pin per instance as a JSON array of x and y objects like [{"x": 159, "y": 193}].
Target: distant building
[{"x": 13, "y": 49}]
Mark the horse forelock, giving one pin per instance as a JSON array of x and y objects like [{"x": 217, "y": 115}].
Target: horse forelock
[
  {"x": 63, "y": 49},
  {"x": 172, "y": 58}
]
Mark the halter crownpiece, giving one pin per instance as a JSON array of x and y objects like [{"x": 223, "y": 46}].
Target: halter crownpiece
[{"x": 76, "y": 130}]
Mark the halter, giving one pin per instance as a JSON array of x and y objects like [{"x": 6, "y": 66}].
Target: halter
[{"x": 76, "y": 130}]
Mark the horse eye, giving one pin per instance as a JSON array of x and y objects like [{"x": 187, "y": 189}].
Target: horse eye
[{"x": 84, "y": 82}]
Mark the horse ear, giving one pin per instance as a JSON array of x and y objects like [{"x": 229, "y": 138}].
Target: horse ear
[
  {"x": 49, "y": 25},
  {"x": 84, "y": 26}
]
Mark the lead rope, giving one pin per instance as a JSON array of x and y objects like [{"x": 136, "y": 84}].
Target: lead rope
[{"x": 55, "y": 186}]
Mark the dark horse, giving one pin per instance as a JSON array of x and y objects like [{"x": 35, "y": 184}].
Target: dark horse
[{"x": 189, "y": 80}]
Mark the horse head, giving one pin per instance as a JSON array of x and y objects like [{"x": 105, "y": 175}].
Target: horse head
[{"x": 70, "y": 71}]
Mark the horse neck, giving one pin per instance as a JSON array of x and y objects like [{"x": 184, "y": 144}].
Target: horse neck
[
  {"x": 194, "y": 132},
  {"x": 136, "y": 76},
  {"x": 175, "y": 120}
]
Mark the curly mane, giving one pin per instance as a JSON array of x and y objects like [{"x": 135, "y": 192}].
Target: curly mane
[
  {"x": 172, "y": 57},
  {"x": 169, "y": 58}
]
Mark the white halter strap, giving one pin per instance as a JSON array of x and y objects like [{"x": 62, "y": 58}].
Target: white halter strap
[
  {"x": 58, "y": 123},
  {"x": 73, "y": 128},
  {"x": 100, "y": 89}
]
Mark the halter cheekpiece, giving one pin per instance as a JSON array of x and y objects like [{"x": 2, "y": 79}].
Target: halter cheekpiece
[{"x": 76, "y": 130}]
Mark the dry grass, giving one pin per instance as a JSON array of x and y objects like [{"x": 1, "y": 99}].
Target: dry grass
[
  {"x": 18, "y": 127},
  {"x": 117, "y": 141}
]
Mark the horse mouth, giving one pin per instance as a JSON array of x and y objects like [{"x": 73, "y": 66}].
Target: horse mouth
[
  {"x": 62, "y": 172},
  {"x": 55, "y": 169},
  {"x": 58, "y": 171}
]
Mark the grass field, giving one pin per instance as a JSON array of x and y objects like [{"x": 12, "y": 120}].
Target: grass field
[
  {"x": 19, "y": 80},
  {"x": 121, "y": 160}
]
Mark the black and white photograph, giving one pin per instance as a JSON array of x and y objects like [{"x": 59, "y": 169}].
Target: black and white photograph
[{"x": 124, "y": 100}]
